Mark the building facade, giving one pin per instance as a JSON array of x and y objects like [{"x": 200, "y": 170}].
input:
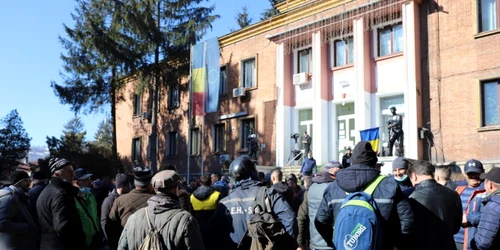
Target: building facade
[{"x": 464, "y": 79}]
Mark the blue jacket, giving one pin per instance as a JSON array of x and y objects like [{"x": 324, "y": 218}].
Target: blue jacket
[
  {"x": 308, "y": 167},
  {"x": 487, "y": 235},
  {"x": 228, "y": 227},
  {"x": 391, "y": 202}
]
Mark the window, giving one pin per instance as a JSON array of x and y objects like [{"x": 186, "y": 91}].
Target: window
[
  {"x": 172, "y": 144},
  {"x": 249, "y": 76},
  {"x": 344, "y": 52},
  {"x": 223, "y": 80},
  {"x": 173, "y": 96},
  {"x": 136, "y": 150},
  {"x": 488, "y": 15},
  {"x": 390, "y": 40},
  {"x": 305, "y": 60},
  {"x": 137, "y": 105},
  {"x": 219, "y": 138},
  {"x": 490, "y": 92},
  {"x": 195, "y": 141},
  {"x": 246, "y": 126}
]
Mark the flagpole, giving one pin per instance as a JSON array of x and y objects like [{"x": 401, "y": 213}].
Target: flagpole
[
  {"x": 190, "y": 113},
  {"x": 202, "y": 141}
]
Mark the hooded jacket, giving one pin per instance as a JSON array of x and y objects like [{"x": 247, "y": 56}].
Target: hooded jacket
[
  {"x": 487, "y": 235},
  {"x": 228, "y": 227},
  {"x": 204, "y": 201},
  {"x": 285, "y": 191},
  {"x": 438, "y": 216},
  {"x": 60, "y": 223},
  {"x": 308, "y": 167},
  {"x": 393, "y": 207},
  {"x": 18, "y": 230},
  {"x": 307, "y": 213},
  {"x": 180, "y": 230}
]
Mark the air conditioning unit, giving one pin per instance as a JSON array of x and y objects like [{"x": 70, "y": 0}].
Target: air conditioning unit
[
  {"x": 300, "y": 79},
  {"x": 237, "y": 92}
]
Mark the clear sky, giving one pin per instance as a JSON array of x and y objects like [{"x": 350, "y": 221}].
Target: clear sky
[{"x": 29, "y": 60}]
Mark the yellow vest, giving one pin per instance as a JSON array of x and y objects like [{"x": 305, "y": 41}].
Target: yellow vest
[{"x": 208, "y": 204}]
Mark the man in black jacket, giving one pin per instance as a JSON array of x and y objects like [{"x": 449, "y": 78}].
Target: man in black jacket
[
  {"x": 393, "y": 206},
  {"x": 60, "y": 223},
  {"x": 437, "y": 209},
  {"x": 281, "y": 187},
  {"x": 122, "y": 184}
]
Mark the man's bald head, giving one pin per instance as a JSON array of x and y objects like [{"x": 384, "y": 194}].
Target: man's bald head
[{"x": 276, "y": 176}]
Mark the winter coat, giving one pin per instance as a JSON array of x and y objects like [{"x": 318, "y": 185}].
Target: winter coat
[
  {"x": 105, "y": 210},
  {"x": 182, "y": 232},
  {"x": 18, "y": 230},
  {"x": 346, "y": 160},
  {"x": 33, "y": 195},
  {"x": 123, "y": 207},
  {"x": 222, "y": 187},
  {"x": 59, "y": 220},
  {"x": 87, "y": 208},
  {"x": 487, "y": 235},
  {"x": 184, "y": 195},
  {"x": 473, "y": 211},
  {"x": 438, "y": 216},
  {"x": 406, "y": 186},
  {"x": 285, "y": 191},
  {"x": 394, "y": 208},
  {"x": 308, "y": 167},
  {"x": 228, "y": 226},
  {"x": 307, "y": 213},
  {"x": 204, "y": 201}
]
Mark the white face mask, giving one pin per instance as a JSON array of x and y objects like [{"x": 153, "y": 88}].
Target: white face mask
[
  {"x": 402, "y": 178},
  {"x": 310, "y": 157}
]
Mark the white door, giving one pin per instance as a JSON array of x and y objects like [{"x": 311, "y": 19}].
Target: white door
[
  {"x": 306, "y": 126},
  {"x": 346, "y": 133}
]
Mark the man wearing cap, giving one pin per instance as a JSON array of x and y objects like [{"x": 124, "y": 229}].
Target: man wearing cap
[
  {"x": 176, "y": 226},
  {"x": 487, "y": 235},
  {"x": 127, "y": 204},
  {"x": 18, "y": 230},
  {"x": 399, "y": 169},
  {"x": 393, "y": 206},
  {"x": 471, "y": 196},
  {"x": 87, "y": 208},
  {"x": 58, "y": 216},
  {"x": 309, "y": 207},
  {"x": 122, "y": 186}
]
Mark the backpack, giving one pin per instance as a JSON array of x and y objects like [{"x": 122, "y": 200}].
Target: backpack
[
  {"x": 358, "y": 223},
  {"x": 154, "y": 239},
  {"x": 264, "y": 227}
]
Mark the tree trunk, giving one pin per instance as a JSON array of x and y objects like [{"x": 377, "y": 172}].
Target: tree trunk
[{"x": 114, "y": 150}]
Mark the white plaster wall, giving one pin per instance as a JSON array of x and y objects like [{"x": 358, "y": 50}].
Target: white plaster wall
[
  {"x": 390, "y": 75},
  {"x": 344, "y": 81}
]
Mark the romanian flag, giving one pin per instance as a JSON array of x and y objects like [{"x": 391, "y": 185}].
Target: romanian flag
[
  {"x": 371, "y": 135},
  {"x": 198, "y": 78},
  {"x": 205, "y": 75}
]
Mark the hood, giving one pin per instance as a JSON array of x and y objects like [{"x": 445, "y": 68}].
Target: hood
[
  {"x": 161, "y": 203},
  {"x": 113, "y": 193},
  {"x": 322, "y": 178},
  {"x": 203, "y": 192},
  {"x": 246, "y": 184},
  {"x": 356, "y": 177},
  {"x": 280, "y": 187}
]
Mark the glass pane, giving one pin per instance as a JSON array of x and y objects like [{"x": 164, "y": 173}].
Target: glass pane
[
  {"x": 303, "y": 60},
  {"x": 346, "y": 109},
  {"x": 488, "y": 15},
  {"x": 340, "y": 51},
  {"x": 385, "y": 114},
  {"x": 249, "y": 73},
  {"x": 490, "y": 103},
  {"x": 350, "y": 51},
  {"x": 398, "y": 38},
  {"x": 222, "y": 87},
  {"x": 384, "y": 38}
]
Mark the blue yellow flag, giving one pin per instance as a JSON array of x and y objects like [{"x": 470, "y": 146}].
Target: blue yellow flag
[{"x": 371, "y": 135}]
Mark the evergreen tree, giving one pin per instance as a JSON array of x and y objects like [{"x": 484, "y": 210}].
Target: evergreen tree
[
  {"x": 270, "y": 12},
  {"x": 103, "y": 138},
  {"x": 14, "y": 141},
  {"x": 73, "y": 137},
  {"x": 243, "y": 18}
]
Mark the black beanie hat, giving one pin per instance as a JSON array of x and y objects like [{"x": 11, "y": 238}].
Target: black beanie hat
[
  {"x": 363, "y": 154},
  {"x": 18, "y": 176}
]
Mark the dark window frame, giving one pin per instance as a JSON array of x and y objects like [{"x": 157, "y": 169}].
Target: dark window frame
[
  {"x": 172, "y": 147},
  {"x": 173, "y": 96},
  {"x": 483, "y": 102},
  {"x": 223, "y": 80},
  {"x": 244, "y": 84},
  {"x": 195, "y": 141},
  {"x": 219, "y": 138},
  {"x": 347, "y": 52},
  {"x": 309, "y": 60},
  {"x": 390, "y": 27},
  {"x": 479, "y": 16},
  {"x": 137, "y": 105},
  {"x": 136, "y": 151},
  {"x": 245, "y": 131}
]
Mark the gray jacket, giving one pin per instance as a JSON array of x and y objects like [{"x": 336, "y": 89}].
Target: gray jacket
[
  {"x": 181, "y": 233},
  {"x": 18, "y": 230},
  {"x": 315, "y": 195}
]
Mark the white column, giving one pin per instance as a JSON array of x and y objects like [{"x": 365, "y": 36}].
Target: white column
[
  {"x": 320, "y": 106},
  {"x": 283, "y": 113},
  {"x": 362, "y": 64},
  {"x": 412, "y": 77}
]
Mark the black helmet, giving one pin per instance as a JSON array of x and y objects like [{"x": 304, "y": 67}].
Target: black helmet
[{"x": 243, "y": 168}]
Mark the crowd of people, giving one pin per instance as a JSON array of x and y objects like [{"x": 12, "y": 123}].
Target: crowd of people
[{"x": 344, "y": 205}]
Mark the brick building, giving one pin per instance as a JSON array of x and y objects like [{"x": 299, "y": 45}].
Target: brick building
[
  {"x": 464, "y": 78},
  {"x": 327, "y": 67}
]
